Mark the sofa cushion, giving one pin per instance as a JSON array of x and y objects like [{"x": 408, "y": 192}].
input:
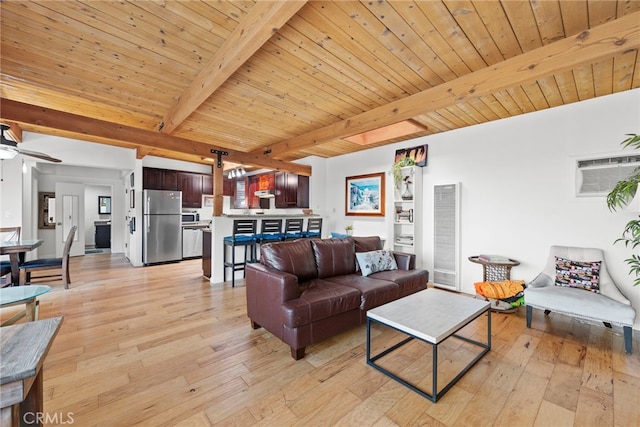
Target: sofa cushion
[
  {"x": 578, "y": 274},
  {"x": 374, "y": 261},
  {"x": 373, "y": 292},
  {"x": 319, "y": 300},
  {"x": 367, "y": 244},
  {"x": 294, "y": 257},
  {"x": 408, "y": 281},
  {"x": 334, "y": 257}
]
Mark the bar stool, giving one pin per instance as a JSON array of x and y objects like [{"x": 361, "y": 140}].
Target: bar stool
[
  {"x": 314, "y": 227},
  {"x": 244, "y": 235},
  {"x": 270, "y": 231},
  {"x": 293, "y": 229}
]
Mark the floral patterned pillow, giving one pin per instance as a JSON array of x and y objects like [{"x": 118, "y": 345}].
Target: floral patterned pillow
[
  {"x": 374, "y": 261},
  {"x": 578, "y": 274}
]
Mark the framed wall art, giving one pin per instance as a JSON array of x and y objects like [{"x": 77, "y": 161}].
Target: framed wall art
[
  {"x": 418, "y": 154},
  {"x": 365, "y": 195},
  {"x": 104, "y": 204}
]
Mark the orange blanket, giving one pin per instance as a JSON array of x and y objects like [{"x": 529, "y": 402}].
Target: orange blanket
[{"x": 499, "y": 290}]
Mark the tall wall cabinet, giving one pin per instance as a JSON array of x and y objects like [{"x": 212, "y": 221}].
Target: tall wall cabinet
[{"x": 407, "y": 213}]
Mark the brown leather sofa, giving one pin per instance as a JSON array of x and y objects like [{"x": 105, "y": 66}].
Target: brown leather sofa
[{"x": 307, "y": 290}]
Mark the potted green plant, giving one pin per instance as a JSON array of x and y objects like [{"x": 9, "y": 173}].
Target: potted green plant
[
  {"x": 396, "y": 169},
  {"x": 619, "y": 197},
  {"x": 349, "y": 230}
]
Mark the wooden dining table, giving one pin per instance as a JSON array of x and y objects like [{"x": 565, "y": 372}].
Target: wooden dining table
[{"x": 13, "y": 249}]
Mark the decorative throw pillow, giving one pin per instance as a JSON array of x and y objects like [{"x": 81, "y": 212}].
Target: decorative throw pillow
[
  {"x": 338, "y": 235},
  {"x": 371, "y": 262},
  {"x": 578, "y": 274}
]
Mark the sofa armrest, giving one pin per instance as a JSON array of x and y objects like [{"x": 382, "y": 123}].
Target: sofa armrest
[
  {"x": 541, "y": 281},
  {"x": 267, "y": 290},
  {"x": 405, "y": 261},
  {"x": 269, "y": 284}
]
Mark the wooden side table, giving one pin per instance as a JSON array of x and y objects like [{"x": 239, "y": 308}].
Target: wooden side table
[
  {"x": 23, "y": 349},
  {"x": 495, "y": 271}
]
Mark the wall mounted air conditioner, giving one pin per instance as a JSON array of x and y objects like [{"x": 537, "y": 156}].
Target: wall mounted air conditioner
[{"x": 597, "y": 177}]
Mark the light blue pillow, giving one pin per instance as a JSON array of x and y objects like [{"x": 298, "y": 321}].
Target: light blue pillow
[
  {"x": 374, "y": 261},
  {"x": 338, "y": 235}
]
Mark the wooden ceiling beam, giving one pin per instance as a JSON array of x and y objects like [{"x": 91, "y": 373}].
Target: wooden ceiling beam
[
  {"x": 612, "y": 38},
  {"x": 41, "y": 119},
  {"x": 14, "y": 132},
  {"x": 262, "y": 21}
]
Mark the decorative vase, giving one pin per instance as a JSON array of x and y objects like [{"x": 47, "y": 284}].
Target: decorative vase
[
  {"x": 407, "y": 195},
  {"x": 349, "y": 232}
]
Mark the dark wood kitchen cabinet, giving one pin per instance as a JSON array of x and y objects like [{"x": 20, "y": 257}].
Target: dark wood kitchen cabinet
[
  {"x": 159, "y": 179},
  {"x": 286, "y": 190},
  {"x": 227, "y": 186},
  {"x": 191, "y": 186},
  {"x": 303, "y": 192},
  {"x": 291, "y": 190},
  {"x": 207, "y": 185}
]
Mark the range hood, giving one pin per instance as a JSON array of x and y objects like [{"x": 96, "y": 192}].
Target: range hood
[{"x": 264, "y": 194}]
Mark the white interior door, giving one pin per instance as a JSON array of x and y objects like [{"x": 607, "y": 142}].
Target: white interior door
[{"x": 69, "y": 212}]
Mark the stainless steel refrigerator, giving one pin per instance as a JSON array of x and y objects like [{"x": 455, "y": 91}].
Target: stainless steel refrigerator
[{"x": 162, "y": 225}]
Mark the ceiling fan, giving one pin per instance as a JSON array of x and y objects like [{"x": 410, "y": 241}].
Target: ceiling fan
[{"x": 9, "y": 149}]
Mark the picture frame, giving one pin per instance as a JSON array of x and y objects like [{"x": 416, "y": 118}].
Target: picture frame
[
  {"x": 418, "y": 154},
  {"x": 207, "y": 201},
  {"x": 46, "y": 210},
  {"x": 132, "y": 198},
  {"x": 104, "y": 205},
  {"x": 365, "y": 195}
]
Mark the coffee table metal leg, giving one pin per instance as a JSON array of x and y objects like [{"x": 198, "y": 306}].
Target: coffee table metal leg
[{"x": 435, "y": 395}]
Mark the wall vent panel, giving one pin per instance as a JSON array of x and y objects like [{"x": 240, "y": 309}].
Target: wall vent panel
[{"x": 446, "y": 251}]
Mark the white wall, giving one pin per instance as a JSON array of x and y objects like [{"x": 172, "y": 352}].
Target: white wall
[{"x": 517, "y": 186}]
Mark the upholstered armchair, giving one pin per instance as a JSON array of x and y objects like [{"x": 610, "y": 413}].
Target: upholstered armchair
[{"x": 575, "y": 282}]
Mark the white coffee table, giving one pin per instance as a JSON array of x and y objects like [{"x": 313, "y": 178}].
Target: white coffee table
[{"x": 431, "y": 316}]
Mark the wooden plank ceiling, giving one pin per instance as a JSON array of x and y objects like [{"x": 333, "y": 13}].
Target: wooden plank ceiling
[{"x": 271, "y": 82}]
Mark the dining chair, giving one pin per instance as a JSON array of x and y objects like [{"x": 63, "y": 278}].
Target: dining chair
[
  {"x": 9, "y": 234},
  {"x": 29, "y": 267}
]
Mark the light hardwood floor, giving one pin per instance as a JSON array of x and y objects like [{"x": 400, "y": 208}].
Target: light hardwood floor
[{"x": 160, "y": 346}]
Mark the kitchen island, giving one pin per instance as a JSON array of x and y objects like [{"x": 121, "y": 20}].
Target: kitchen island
[{"x": 222, "y": 226}]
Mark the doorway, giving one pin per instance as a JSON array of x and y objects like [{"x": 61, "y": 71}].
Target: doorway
[
  {"x": 69, "y": 207},
  {"x": 97, "y": 214}
]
